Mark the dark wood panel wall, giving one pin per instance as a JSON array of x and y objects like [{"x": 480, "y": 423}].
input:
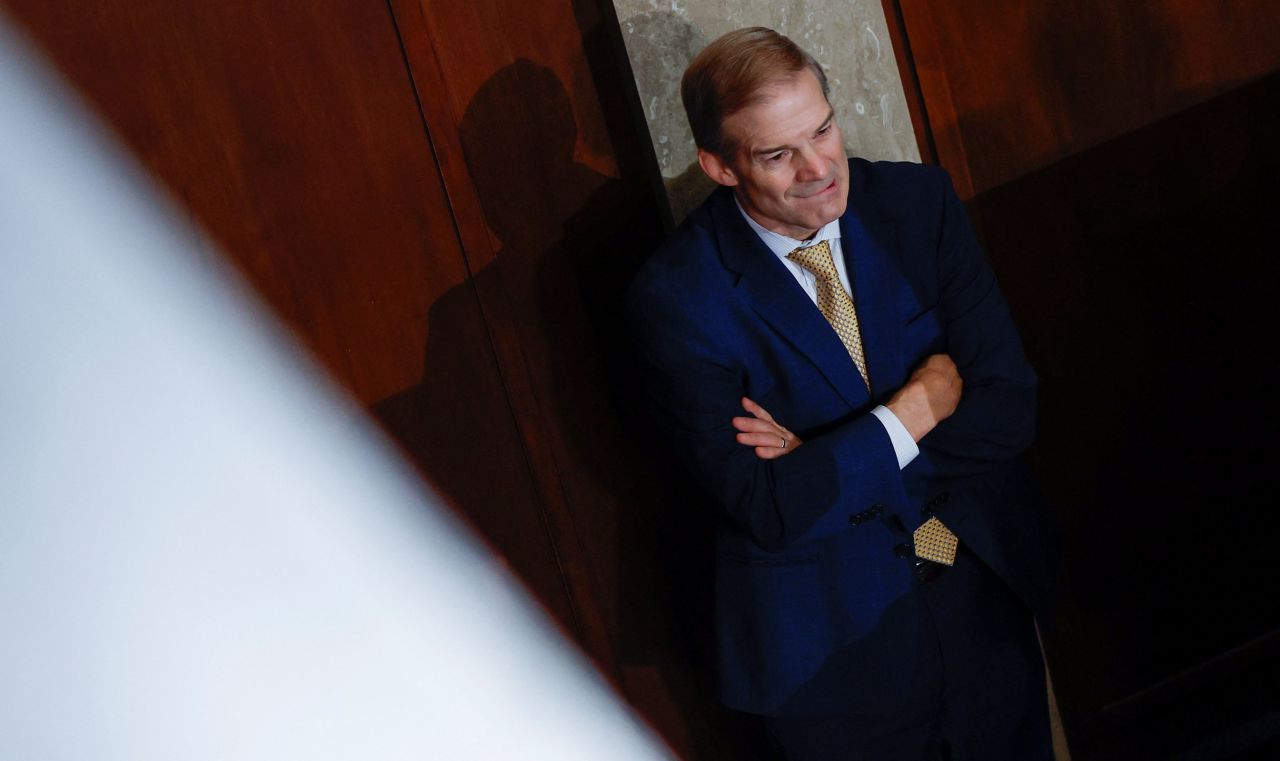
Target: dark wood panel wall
[
  {"x": 1119, "y": 162},
  {"x": 444, "y": 200},
  {"x": 1013, "y": 86}
]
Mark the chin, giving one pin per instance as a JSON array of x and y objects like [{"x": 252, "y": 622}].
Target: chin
[{"x": 830, "y": 211}]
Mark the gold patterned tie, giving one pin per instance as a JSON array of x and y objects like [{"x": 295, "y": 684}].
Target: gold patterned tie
[
  {"x": 933, "y": 541},
  {"x": 834, "y": 301}
]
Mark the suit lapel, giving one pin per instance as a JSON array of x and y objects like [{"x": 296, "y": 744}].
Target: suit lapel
[
  {"x": 776, "y": 296},
  {"x": 868, "y": 243}
]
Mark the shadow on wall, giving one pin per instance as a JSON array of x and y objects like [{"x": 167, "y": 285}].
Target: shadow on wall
[
  {"x": 571, "y": 240},
  {"x": 555, "y": 275}
]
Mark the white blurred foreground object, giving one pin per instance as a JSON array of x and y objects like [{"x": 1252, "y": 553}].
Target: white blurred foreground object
[{"x": 204, "y": 552}]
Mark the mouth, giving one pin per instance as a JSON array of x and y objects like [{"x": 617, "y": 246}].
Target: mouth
[{"x": 824, "y": 190}]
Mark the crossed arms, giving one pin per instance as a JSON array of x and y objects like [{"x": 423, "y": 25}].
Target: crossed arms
[
  {"x": 970, "y": 408},
  {"x": 929, "y": 397}
]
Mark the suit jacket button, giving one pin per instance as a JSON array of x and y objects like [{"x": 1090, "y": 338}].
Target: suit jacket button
[
  {"x": 855, "y": 520},
  {"x": 877, "y": 508},
  {"x": 904, "y": 551}
]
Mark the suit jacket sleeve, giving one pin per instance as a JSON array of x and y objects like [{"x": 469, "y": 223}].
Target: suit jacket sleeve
[{"x": 995, "y": 419}]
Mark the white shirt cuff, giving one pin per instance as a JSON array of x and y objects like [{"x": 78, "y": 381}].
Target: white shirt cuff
[{"x": 903, "y": 445}]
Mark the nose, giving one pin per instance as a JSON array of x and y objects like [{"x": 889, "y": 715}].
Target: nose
[{"x": 811, "y": 166}]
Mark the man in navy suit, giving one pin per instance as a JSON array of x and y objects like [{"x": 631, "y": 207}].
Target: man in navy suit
[{"x": 829, "y": 353}]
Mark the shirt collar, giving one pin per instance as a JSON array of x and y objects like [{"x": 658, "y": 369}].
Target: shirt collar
[{"x": 780, "y": 244}]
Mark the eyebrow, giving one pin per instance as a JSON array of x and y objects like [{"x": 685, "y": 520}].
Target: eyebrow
[{"x": 831, "y": 115}]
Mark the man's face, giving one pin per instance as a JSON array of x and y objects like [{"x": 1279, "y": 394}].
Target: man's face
[{"x": 789, "y": 170}]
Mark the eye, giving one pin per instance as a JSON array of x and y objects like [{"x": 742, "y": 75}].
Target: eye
[
  {"x": 825, "y": 129},
  {"x": 775, "y": 158}
]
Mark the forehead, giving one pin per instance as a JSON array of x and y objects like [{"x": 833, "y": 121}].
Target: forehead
[{"x": 788, "y": 110}]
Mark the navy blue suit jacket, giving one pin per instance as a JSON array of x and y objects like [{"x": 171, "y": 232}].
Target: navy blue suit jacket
[{"x": 806, "y": 569}]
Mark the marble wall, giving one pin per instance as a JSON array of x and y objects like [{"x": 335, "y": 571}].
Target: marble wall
[{"x": 849, "y": 38}]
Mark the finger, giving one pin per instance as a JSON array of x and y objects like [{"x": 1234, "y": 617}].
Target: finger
[
  {"x": 770, "y": 439},
  {"x": 769, "y": 453},
  {"x": 751, "y": 424},
  {"x": 756, "y": 409},
  {"x": 773, "y": 451}
]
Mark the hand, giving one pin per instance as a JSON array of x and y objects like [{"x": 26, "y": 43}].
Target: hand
[
  {"x": 761, "y": 431},
  {"x": 929, "y": 396}
]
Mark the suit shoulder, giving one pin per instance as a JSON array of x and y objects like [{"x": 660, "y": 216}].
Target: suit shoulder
[
  {"x": 899, "y": 176},
  {"x": 686, "y": 264},
  {"x": 902, "y": 188}
]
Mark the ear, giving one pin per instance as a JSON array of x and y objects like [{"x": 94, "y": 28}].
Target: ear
[{"x": 716, "y": 168}]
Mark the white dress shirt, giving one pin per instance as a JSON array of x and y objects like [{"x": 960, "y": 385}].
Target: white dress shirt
[{"x": 903, "y": 445}]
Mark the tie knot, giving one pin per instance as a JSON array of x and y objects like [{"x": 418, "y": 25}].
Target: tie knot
[{"x": 816, "y": 259}]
